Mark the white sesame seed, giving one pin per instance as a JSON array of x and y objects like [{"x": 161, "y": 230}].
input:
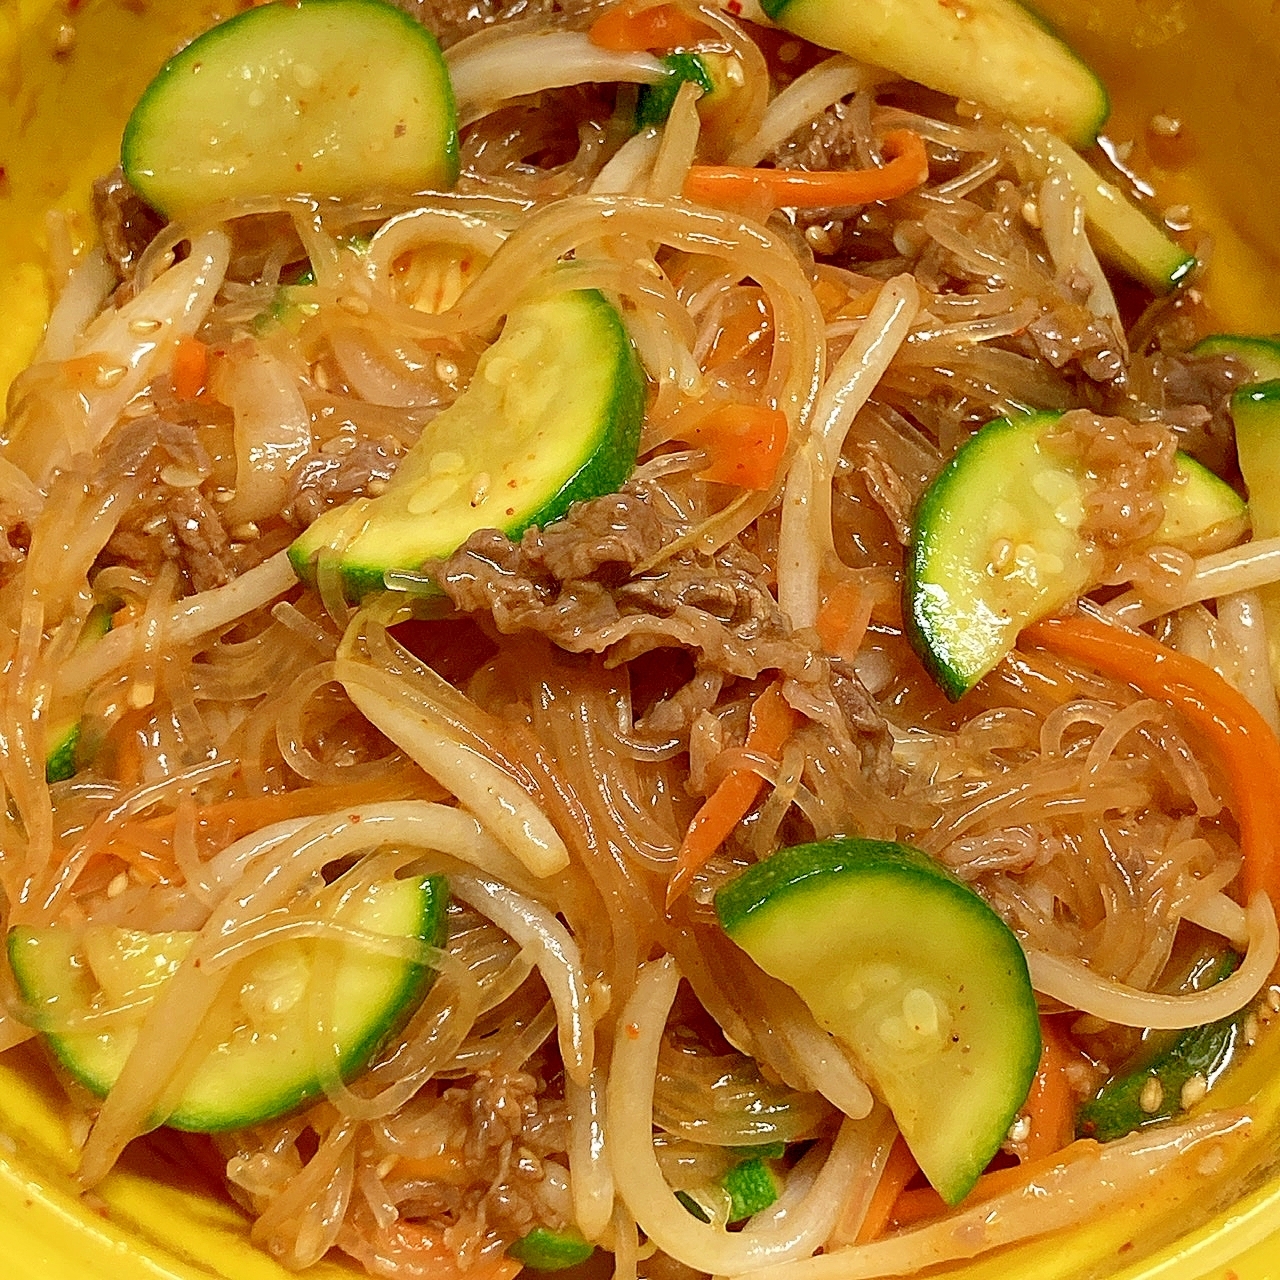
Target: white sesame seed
[
  {"x": 1193, "y": 1091},
  {"x": 1152, "y": 1095}
]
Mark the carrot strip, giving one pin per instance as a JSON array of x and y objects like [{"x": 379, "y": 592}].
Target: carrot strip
[
  {"x": 1219, "y": 713},
  {"x": 745, "y": 444},
  {"x": 1050, "y": 1105},
  {"x": 662, "y": 26},
  {"x": 190, "y": 368},
  {"x": 772, "y": 723},
  {"x": 422, "y": 1250},
  {"x": 226, "y": 820},
  {"x": 843, "y": 619},
  {"x": 249, "y": 813},
  {"x": 898, "y": 1170},
  {"x": 920, "y": 1204},
  {"x": 731, "y": 186}
]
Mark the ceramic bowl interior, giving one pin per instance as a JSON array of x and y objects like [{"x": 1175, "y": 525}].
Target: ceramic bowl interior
[{"x": 1213, "y": 65}]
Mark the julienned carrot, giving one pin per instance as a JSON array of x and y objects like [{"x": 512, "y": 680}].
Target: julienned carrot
[
  {"x": 1050, "y": 1105},
  {"x": 732, "y": 186},
  {"x": 898, "y": 1170},
  {"x": 422, "y": 1248},
  {"x": 1219, "y": 713},
  {"x": 920, "y": 1204},
  {"x": 745, "y": 444},
  {"x": 844, "y": 617},
  {"x": 232, "y": 818},
  {"x": 661, "y": 26},
  {"x": 190, "y": 368},
  {"x": 772, "y": 723}
]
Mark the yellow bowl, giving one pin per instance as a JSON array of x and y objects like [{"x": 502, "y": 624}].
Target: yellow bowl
[{"x": 69, "y": 82}]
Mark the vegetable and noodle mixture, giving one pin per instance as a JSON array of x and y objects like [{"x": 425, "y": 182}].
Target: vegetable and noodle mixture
[{"x": 644, "y": 630}]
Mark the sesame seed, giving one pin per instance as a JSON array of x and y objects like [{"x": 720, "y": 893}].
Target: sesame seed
[
  {"x": 1193, "y": 1091},
  {"x": 353, "y": 304},
  {"x": 1152, "y": 1096}
]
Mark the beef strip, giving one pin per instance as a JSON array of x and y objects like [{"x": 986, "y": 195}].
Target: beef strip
[
  {"x": 126, "y": 223},
  {"x": 323, "y": 480},
  {"x": 167, "y": 521},
  {"x": 583, "y": 583}
]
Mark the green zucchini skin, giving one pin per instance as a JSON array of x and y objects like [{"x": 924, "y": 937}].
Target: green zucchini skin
[
  {"x": 752, "y": 1186},
  {"x": 1124, "y": 234},
  {"x": 260, "y": 1068},
  {"x": 993, "y": 52},
  {"x": 323, "y": 97},
  {"x": 1255, "y": 411},
  {"x": 551, "y": 417},
  {"x": 654, "y": 101},
  {"x": 915, "y": 974},
  {"x": 996, "y": 543},
  {"x": 1259, "y": 355},
  {"x": 1118, "y": 1107},
  {"x": 543, "y": 1249},
  {"x": 66, "y": 737},
  {"x": 1255, "y": 414}
]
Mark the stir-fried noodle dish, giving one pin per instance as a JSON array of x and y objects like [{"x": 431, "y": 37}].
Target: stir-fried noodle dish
[{"x": 640, "y": 632}]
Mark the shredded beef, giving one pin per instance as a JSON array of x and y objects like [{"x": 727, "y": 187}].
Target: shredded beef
[
  {"x": 202, "y": 542},
  {"x": 324, "y": 480},
  {"x": 716, "y": 605},
  {"x": 1193, "y": 396},
  {"x": 167, "y": 521},
  {"x": 1130, "y": 465},
  {"x": 583, "y": 583},
  {"x": 1071, "y": 335},
  {"x": 828, "y": 141},
  {"x": 452, "y": 20},
  {"x": 126, "y": 223}
]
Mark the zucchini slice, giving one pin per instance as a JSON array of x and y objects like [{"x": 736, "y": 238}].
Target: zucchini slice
[
  {"x": 259, "y": 1064},
  {"x": 1260, "y": 356},
  {"x": 1125, "y": 235},
  {"x": 65, "y": 742},
  {"x": 916, "y": 974},
  {"x": 992, "y": 52},
  {"x": 1255, "y": 413},
  {"x": 997, "y": 543},
  {"x": 551, "y": 417},
  {"x": 543, "y": 1249},
  {"x": 326, "y": 97}
]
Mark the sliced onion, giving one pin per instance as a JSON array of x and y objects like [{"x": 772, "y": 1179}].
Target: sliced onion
[
  {"x": 646, "y": 1192},
  {"x": 554, "y": 952}
]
